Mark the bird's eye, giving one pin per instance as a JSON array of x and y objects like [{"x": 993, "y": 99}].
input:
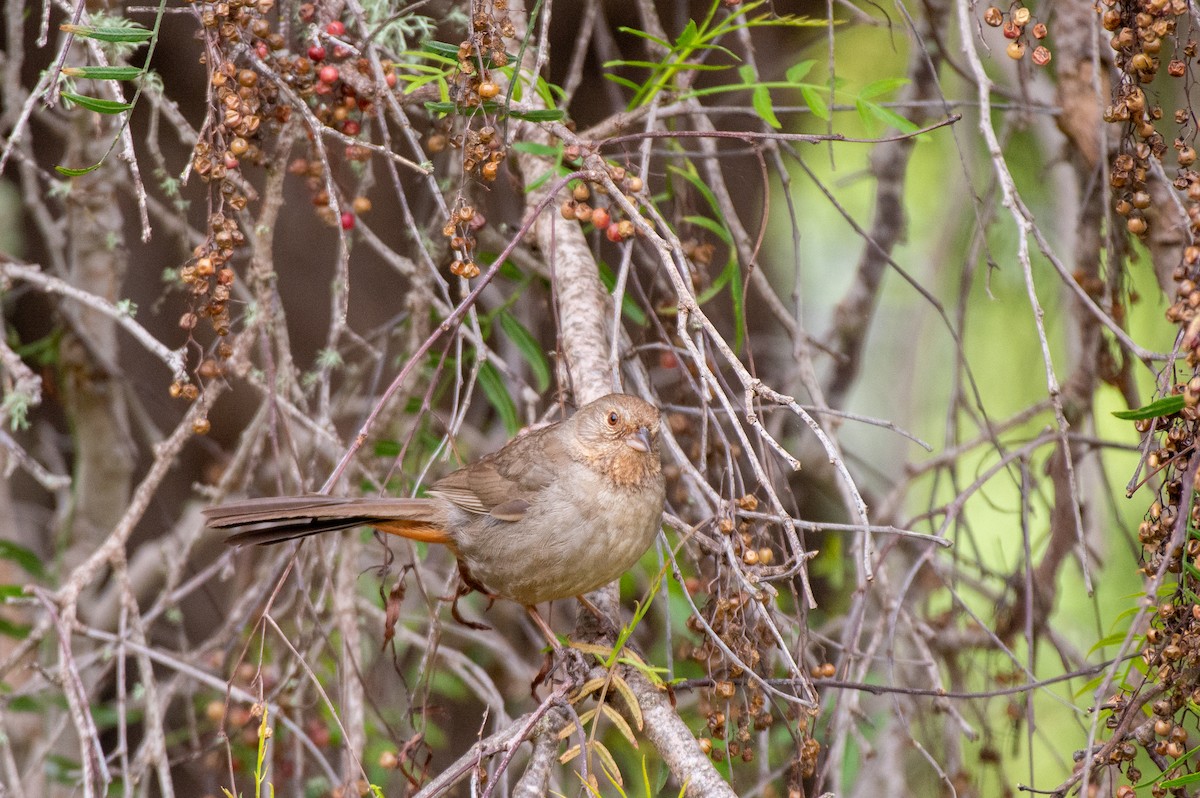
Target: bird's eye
[{"x": 613, "y": 418}]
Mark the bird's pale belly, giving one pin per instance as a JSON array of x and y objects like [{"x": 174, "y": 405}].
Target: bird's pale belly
[{"x": 583, "y": 544}]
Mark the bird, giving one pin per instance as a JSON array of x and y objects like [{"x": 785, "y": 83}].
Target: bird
[{"x": 555, "y": 513}]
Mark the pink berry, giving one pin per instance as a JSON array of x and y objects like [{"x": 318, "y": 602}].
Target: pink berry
[
  {"x": 351, "y": 128},
  {"x": 328, "y": 74},
  {"x": 347, "y": 220}
]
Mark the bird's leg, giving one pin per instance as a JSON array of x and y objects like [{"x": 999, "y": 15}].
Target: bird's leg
[
  {"x": 543, "y": 627},
  {"x": 466, "y": 585},
  {"x": 557, "y": 656}
]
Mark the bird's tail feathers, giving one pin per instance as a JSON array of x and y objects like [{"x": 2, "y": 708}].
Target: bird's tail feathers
[{"x": 275, "y": 520}]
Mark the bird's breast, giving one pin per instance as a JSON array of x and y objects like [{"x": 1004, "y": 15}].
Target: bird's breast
[{"x": 579, "y": 533}]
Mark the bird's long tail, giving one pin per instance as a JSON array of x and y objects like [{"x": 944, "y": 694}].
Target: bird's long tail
[{"x": 274, "y": 520}]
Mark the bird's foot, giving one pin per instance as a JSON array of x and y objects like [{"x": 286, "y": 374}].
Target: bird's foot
[{"x": 568, "y": 661}]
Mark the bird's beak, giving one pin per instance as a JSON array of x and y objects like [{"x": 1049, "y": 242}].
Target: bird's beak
[{"x": 640, "y": 440}]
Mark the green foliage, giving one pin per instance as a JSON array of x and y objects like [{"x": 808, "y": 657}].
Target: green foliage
[
  {"x": 695, "y": 42},
  {"x": 443, "y": 64},
  {"x": 1166, "y": 406},
  {"x": 497, "y": 394},
  {"x": 121, "y": 37}
]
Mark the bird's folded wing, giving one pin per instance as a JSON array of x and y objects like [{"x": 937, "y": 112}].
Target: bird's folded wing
[{"x": 504, "y": 484}]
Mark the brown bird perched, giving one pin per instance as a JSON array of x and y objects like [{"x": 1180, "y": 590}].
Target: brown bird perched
[{"x": 555, "y": 513}]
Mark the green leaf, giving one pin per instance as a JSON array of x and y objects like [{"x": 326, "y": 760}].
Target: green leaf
[
  {"x": 760, "y": 99},
  {"x": 643, "y": 35},
  {"x": 620, "y": 81},
  {"x": 537, "y": 148},
  {"x": 497, "y": 394},
  {"x": 115, "y": 35},
  {"x": 26, "y": 558},
  {"x": 883, "y": 86},
  {"x": 1182, "y": 781},
  {"x": 687, "y": 36},
  {"x": 442, "y": 49},
  {"x": 539, "y": 115},
  {"x": 69, "y": 172},
  {"x": 387, "y": 448},
  {"x": 18, "y": 631},
  {"x": 11, "y": 591},
  {"x": 96, "y": 104},
  {"x": 717, "y": 229},
  {"x": 815, "y": 102},
  {"x": 798, "y": 72},
  {"x": 891, "y": 118},
  {"x": 1166, "y": 406},
  {"x": 529, "y": 349},
  {"x": 102, "y": 72}
]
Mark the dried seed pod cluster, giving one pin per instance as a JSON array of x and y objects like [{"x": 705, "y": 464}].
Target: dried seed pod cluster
[
  {"x": 1171, "y": 646},
  {"x": 460, "y": 228},
  {"x": 1020, "y": 27},
  {"x": 583, "y": 207},
  {"x": 1143, "y": 33}
]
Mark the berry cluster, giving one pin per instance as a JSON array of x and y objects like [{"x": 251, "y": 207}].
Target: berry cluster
[
  {"x": 1014, "y": 26},
  {"x": 604, "y": 218}
]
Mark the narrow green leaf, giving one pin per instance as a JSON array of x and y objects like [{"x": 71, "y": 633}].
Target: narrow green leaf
[
  {"x": 387, "y": 448},
  {"x": 442, "y": 49},
  {"x": 760, "y": 99},
  {"x": 96, "y": 104},
  {"x": 26, "y": 558},
  {"x": 891, "y": 118},
  {"x": 540, "y": 115},
  {"x": 620, "y": 81},
  {"x": 798, "y": 72},
  {"x": 1182, "y": 781},
  {"x": 114, "y": 35},
  {"x": 11, "y": 591},
  {"x": 643, "y": 35},
  {"x": 690, "y": 175},
  {"x": 815, "y": 102},
  {"x": 18, "y": 631},
  {"x": 537, "y": 148},
  {"x": 863, "y": 114},
  {"x": 102, "y": 72},
  {"x": 529, "y": 349},
  {"x": 883, "y": 86},
  {"x": 497, "y": 394},
  {"x": 717, "y": 229},
  {"x": 63, "y": 170},
  {"x": 1166, "y": 406}
]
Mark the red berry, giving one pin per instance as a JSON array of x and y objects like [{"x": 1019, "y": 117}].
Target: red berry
[
  {"x": 613, "y": 233},
  {"x": 340, "y": 52},
  {"x": 328, "y": 74},
  {"x": 316, "y": 52},
  {"x": 600, "y": 218},
  {"x": 347, "y": 220},
  {"x": 335, "y": 28},
  {"x": 351, "y": 127},
  {"x": 390, "y": 78}
]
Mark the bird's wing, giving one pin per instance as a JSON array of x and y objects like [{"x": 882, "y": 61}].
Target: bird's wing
[{"x": 504, "y": 484}]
